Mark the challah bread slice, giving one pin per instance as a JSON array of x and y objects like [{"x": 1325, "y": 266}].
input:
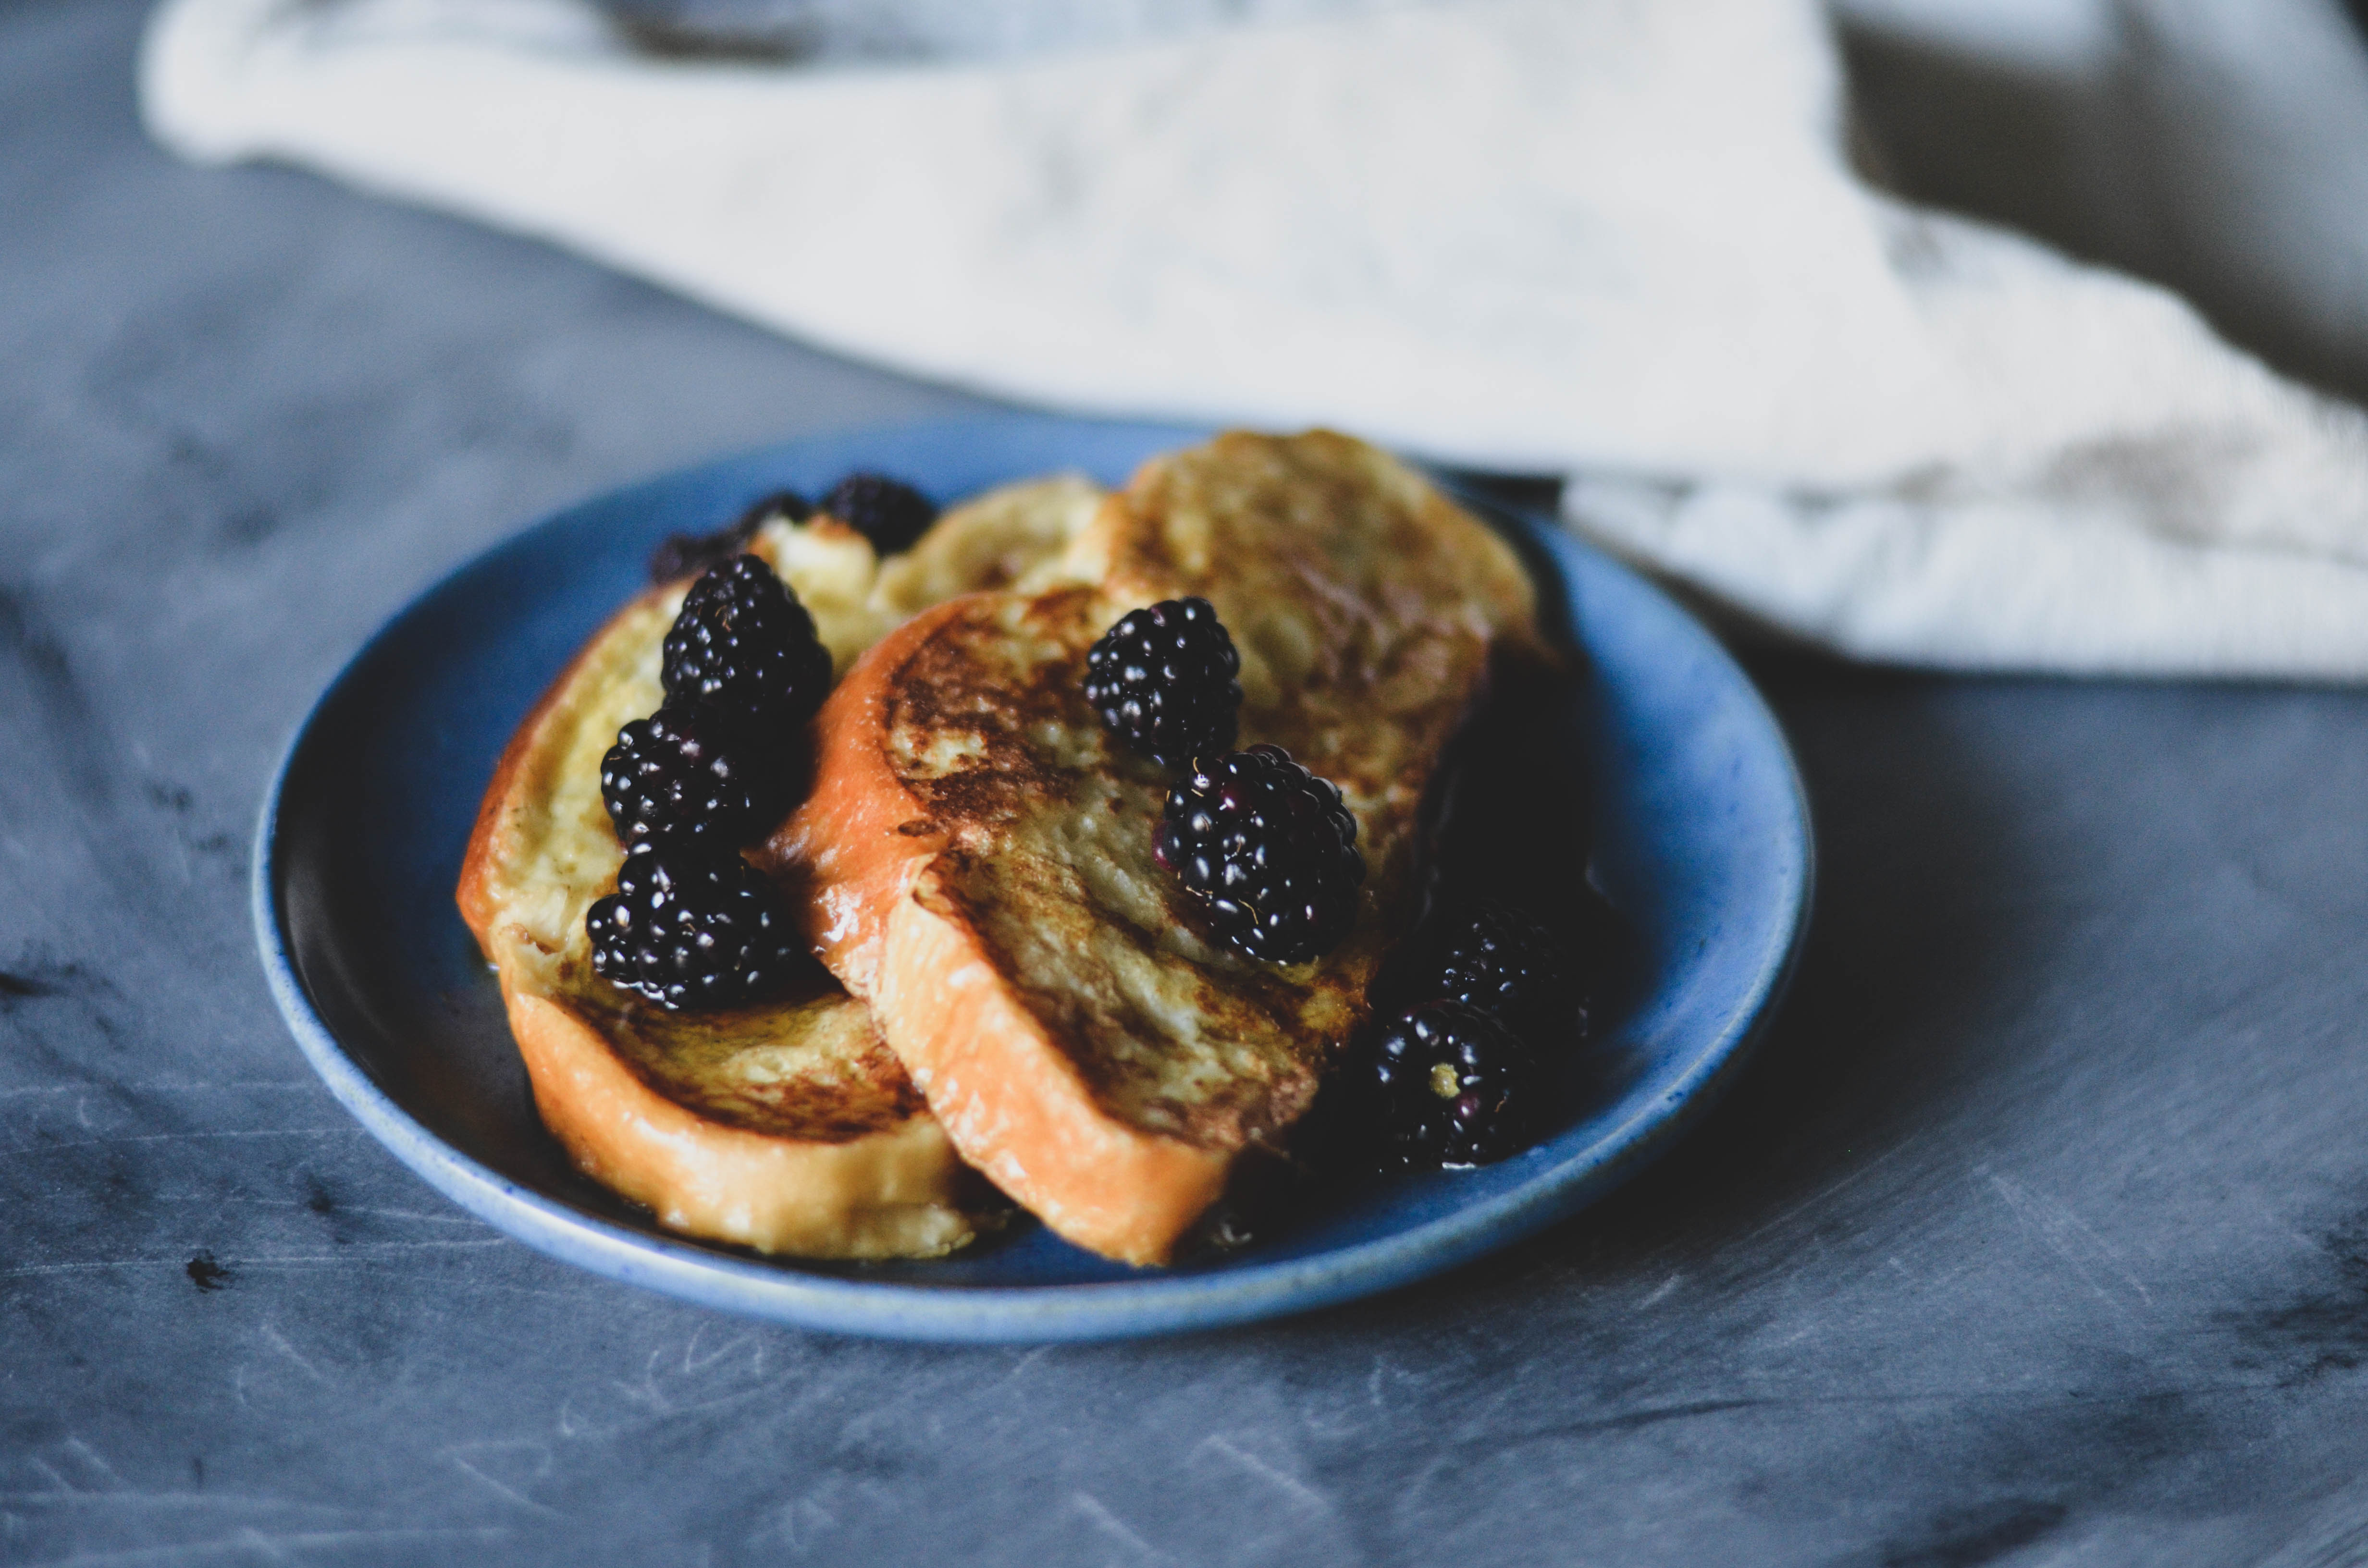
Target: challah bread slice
[
  {"x": 975, "y": 857},
  {"x": 788, "y": 1126}
]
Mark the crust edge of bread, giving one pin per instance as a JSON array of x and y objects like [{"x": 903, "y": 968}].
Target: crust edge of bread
[{"x": 990, "y": 1068}]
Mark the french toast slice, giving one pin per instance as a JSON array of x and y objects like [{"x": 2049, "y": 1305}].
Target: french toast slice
[
  {"x": 975, "y": 858},
  {"x": 787, "y": 1127}
]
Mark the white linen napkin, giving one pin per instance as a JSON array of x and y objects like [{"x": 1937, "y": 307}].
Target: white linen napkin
[{"x": 1617, "y": 240}]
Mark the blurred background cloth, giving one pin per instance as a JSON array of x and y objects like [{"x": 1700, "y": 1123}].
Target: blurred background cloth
[{"x": 1688, "y": 256}]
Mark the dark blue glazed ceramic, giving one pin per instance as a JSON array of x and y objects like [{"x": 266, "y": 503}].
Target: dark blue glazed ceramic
[{"x": 1703, "y": 841}]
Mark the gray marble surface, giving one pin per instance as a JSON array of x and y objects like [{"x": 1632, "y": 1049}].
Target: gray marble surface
[{"x": 2037, "y": 1234}]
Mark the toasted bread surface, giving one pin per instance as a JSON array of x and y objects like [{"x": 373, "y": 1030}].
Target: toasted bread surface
[
  {"x": 975, "y": 858},
  {"x": 827, "y": 1168},
  {"x": 787, "y": 1127}
]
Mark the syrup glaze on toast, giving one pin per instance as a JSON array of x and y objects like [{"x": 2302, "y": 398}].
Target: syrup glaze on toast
[
  {"x": 975, "y": 858},
  {"x": 787, "y": 1127}
]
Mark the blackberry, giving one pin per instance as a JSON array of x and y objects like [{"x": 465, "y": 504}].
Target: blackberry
[
  {"x": 1499, "y": 959},
  {"x": 1446, "y": 1083},
  {"x": 688, "y": 775},
  {"x": 742, "y": 644},
  {"x": 682, "y": 554},
  {"x": 693, "y": 929},
  {"x": 888, "y": 512},
  {"x": 1162, "y": 680},
  {"x": 1269, "y": 850}
]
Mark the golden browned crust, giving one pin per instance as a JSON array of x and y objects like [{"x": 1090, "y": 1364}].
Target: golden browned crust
[{"x": 976, "y": 859}]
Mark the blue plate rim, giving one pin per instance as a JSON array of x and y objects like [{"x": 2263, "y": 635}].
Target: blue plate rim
[{"x": 1153, "y": 1304}]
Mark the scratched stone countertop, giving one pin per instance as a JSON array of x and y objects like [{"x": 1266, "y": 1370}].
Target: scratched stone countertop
[{"x": 2038, "y": 1234}]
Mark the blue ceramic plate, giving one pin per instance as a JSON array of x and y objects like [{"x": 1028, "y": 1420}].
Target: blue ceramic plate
[{"x": 1703, "y": 841}]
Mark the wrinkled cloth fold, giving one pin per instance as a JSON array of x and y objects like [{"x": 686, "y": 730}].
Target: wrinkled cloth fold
[{"x": 1619, "y": 241}]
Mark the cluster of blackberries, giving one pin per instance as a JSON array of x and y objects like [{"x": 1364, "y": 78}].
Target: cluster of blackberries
[
  {"x": 1463, "y": 1075},
  {"x": 1267, "y": 848},
  {"x": 888, "y": 512},
  {"x": 691, "y": 925},
  {"x": 1457, "y": 1073}
]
